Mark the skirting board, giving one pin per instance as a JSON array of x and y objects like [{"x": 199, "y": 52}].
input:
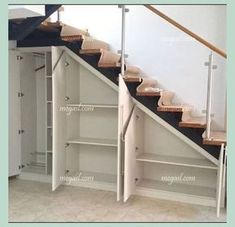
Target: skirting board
[{"x": 177, "y": 197}]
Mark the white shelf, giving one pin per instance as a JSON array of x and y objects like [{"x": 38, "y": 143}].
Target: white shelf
[
  {"x": 105, "y": 106},
  {"x": 34, "y": 169},
  {"x": 179, "y": 161},
  {"x": 186, "y": 189},
  {"x": 97, "y": 177},
  {"x": 49, "y": 101},
  {"x": 94, "y": 141},
  {"x": 49, "y": 127},
  {"x": 38, "y": 153},
  {"x": 49, "y": 77},
  {"x": 102, "y": 181},
  {"x": 49, "y": 151},
  {"x": 38, "y": 164}
]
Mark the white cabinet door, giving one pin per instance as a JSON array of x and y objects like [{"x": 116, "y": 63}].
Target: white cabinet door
[
  {"x": 14, "y": 157},
  {"x": 125, "y": 108},
  {"x": 130, "y": 158},
  {"x": 59, "y": 117}
]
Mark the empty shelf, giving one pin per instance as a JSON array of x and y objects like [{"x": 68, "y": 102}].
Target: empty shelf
[
  {"x": 179, "y": 161},
  {"x": 106, "y": 106},
  {"x": 94, "y": 176},
  {"x": 38, "y": 164},
  {"x": 38, "y": 153},
  {"x": 94, "y": 141},
  {"x": 34, "y": 169},
  {"x": 187, "y": 189},
  {"x": 102, "y": 181}
]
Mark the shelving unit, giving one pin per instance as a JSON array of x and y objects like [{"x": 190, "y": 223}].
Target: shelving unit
[
  {"x": 32, "y": 85},
  {"x": 62, "y": 140},
  {"x": 88, "y": 124},
  {"x": 157, "y": 163},
  {"x": 175, "y": 171}
]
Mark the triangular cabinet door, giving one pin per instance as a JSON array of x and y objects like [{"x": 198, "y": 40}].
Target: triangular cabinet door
[
  {"x": 126, "y": 141},
  {"x": 59, "y": 117}
]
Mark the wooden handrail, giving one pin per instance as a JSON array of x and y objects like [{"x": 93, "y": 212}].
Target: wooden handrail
[{"x": 187, "y": 31}]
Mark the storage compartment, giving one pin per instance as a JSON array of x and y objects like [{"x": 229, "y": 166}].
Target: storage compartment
[
  {"x": 86, "y": 109},
  {"x": 160, "y": 165},
  {"x": 36, "y": 115},
  {"x": 33, "y": 112},
  {"x": 92, "y": 166}
]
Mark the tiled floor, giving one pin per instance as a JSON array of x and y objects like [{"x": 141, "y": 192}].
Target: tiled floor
[{"x": 34, "y": 202}]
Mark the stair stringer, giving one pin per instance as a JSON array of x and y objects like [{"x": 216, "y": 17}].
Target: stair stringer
[{"x": 143, "y": 108}]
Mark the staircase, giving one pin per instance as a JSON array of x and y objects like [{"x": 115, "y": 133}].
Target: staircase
[{"x": 145, "y": 90}]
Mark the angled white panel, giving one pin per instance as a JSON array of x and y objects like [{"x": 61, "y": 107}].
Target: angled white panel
[
  {"x": 14, "y": 115},
  {"x": 59, "y": 117}
]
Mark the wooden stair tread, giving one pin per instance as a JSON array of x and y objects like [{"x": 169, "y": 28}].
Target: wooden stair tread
[
  {"x": 217, "y": 138},
  {"x": 148, "y": 93},
  {"x": 172, "y": 108},
  {"x": 131, "y": 77},
  {"x": 117, "y": 65},
  {"x": 90, "y": 51},
  {"x": 194, "y": 122},
  {"x": 72, "y": 37}
]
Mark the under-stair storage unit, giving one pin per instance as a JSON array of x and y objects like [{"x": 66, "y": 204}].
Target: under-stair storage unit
[
  {"x": 85, "y": 119},
  {"x": 32, "y": 92},
  {"x": 159, "y": 164},
  {"x": 75, "y": 125}
]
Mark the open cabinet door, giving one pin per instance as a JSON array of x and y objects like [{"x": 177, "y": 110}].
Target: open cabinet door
[
  {"x": 130, "y": 157},
  {"x": 14, "y": 115},
  {"x": 59, "y": 117},
  {"x": 125, "y": 106}
]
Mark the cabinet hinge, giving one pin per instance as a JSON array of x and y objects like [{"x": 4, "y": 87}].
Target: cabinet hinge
[
  {"x": 21, "y": 166},
  {"x": 19, "y": 57},
  {"x": 20, "y": 131},
  {"x": 20, "y": 94}
]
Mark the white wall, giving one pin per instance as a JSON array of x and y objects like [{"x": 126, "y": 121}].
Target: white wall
[{"x": 163, "y": 52}]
